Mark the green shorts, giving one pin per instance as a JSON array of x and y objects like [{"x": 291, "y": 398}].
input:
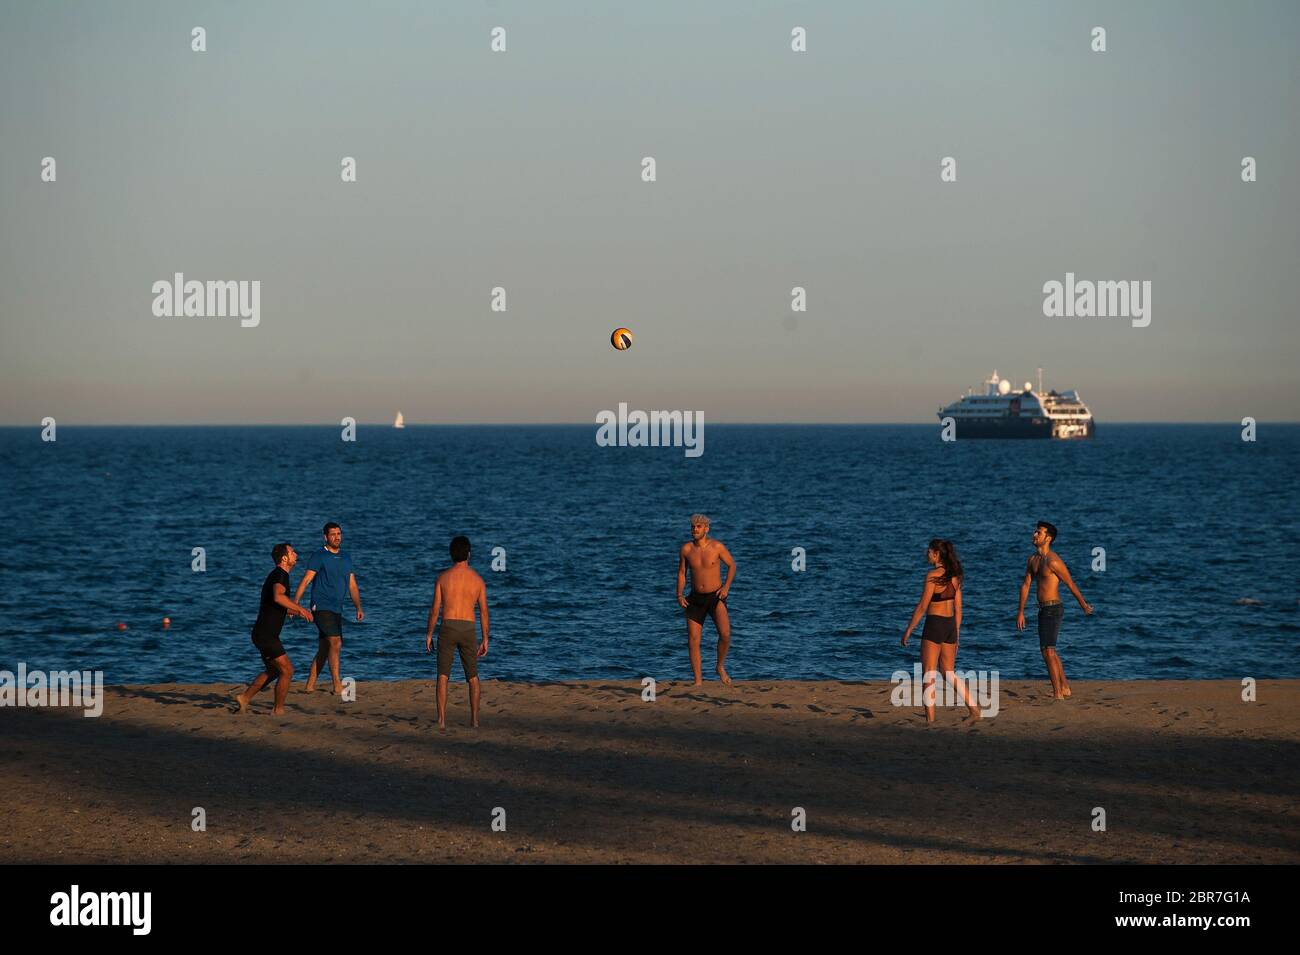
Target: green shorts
[{"x": 456, "y": 635}]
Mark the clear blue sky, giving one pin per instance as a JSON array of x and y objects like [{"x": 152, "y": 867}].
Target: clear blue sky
[{"x": 522, "y": 169}]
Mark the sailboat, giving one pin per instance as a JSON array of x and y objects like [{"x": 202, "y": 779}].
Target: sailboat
[{"x": 399, "y": 423}]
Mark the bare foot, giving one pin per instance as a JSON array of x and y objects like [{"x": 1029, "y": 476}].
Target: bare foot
[
  {"x": 474, "y": 724},
  {"x": 698, "y": 683},
  {"x": 722, "y": 675},
  {"x": 279, "y": 712},
  {"x": 311, "y": 686},
  {"x": 974, "y": 716},
  {"x": 337, "y": 690},
  {"x": 442, "y": 725},
  {"x": 1066, "y": 692},
  {"x": 242, "y": 702}
]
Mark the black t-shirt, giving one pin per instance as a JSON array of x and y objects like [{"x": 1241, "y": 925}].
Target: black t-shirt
[{"x": 270, "y": 615}]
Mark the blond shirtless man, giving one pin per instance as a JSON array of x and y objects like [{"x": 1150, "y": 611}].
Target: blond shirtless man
[
  {"x": 708, "y": 596},
  {"x": 1048, "y": 571},
  {"x": 458, "y": 589}
]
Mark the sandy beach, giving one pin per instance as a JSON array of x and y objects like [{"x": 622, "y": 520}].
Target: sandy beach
[{"x": 588, "y": 772}]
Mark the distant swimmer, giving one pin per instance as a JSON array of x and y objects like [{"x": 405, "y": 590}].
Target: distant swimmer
[
  {"x": 1048, "y": 571},
  {"x": 329, "y": 571},
  {"x": 458, "y": 590},
  {"x": 275, "y": 604},
  {"x": 941, "y": 604},
  {"x": 708, "y": 596}
]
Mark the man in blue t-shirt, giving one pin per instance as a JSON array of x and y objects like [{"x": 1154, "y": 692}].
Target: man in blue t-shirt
[{"x": 329, "y": 572}]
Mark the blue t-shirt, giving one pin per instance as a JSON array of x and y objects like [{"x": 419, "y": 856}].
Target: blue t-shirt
[{"x": 330, "y": 585}]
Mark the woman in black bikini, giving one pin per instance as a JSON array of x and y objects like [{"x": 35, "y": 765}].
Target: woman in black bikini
[{"x": 941, "y": 604}]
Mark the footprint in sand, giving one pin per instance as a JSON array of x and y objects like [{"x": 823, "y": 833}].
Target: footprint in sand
[
  {"x": 816, "y": 709},
  {"x": 780, "y": 706}
]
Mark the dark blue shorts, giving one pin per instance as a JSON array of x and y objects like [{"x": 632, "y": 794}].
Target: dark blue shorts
[
  {"x": 328, "y": 623},
  {"x": 1049, "y": 625}
]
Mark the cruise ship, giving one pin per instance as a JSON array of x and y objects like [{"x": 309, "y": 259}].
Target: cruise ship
[{"x": 1001, "y": 412}]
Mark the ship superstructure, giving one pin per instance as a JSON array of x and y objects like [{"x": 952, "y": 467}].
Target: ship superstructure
[{"x": 1002, "y": 412}]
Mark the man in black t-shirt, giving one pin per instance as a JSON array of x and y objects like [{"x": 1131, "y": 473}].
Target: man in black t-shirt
[{"x": 266, "y": 631}]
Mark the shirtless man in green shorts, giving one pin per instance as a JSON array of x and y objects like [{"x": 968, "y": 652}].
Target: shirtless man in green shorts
[{"x": 458, "y": 590}]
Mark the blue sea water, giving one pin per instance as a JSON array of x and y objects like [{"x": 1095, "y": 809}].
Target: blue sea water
[{"x": 101, "y": 526}]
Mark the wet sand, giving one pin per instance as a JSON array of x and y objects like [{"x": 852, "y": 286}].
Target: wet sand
[{"x": 588, "y": 772}]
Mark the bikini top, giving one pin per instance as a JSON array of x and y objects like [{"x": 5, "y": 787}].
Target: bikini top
[{"x": 947, "y": 592}]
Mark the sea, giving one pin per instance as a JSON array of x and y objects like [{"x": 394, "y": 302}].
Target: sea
[{"x": 1182, "y": 537}]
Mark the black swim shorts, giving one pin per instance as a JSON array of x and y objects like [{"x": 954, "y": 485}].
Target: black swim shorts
[
  {"x": 270, "y": 648},
  {"x": 939, "y": 629},
  {"x": 700, "y": 605}
]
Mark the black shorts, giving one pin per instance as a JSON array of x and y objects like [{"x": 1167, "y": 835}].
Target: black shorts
[
  {"x": 270, "y": 647},
  {"x": 700, "y": 605},
  {"x": 328, "y": 623},
  {"x": 1049, "y": 625},
  {"x": 939, "y": 629}
]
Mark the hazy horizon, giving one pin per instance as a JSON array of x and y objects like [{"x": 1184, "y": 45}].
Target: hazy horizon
[
  {"x": 585, "y": 424},
  {"x": 522, "y": 169}
]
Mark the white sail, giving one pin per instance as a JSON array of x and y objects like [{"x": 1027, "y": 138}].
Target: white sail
[{"x": 399, "y": 423}]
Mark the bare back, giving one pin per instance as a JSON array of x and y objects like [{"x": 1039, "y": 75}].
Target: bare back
[{"x": 460, "y": 588}]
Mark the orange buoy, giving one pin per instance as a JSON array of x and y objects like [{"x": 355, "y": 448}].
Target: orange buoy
[
  {"x": 121, "y": 626},
  {"x": 167, "y": 622}
]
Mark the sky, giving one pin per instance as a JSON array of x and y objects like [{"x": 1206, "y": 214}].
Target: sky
[{"x": 523, "y": 170}]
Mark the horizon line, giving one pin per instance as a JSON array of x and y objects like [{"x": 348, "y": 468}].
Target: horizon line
[{"x": 568, "y": 424}]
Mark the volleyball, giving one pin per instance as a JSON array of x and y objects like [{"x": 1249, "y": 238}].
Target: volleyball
[{"x": 621, "y": 339}]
